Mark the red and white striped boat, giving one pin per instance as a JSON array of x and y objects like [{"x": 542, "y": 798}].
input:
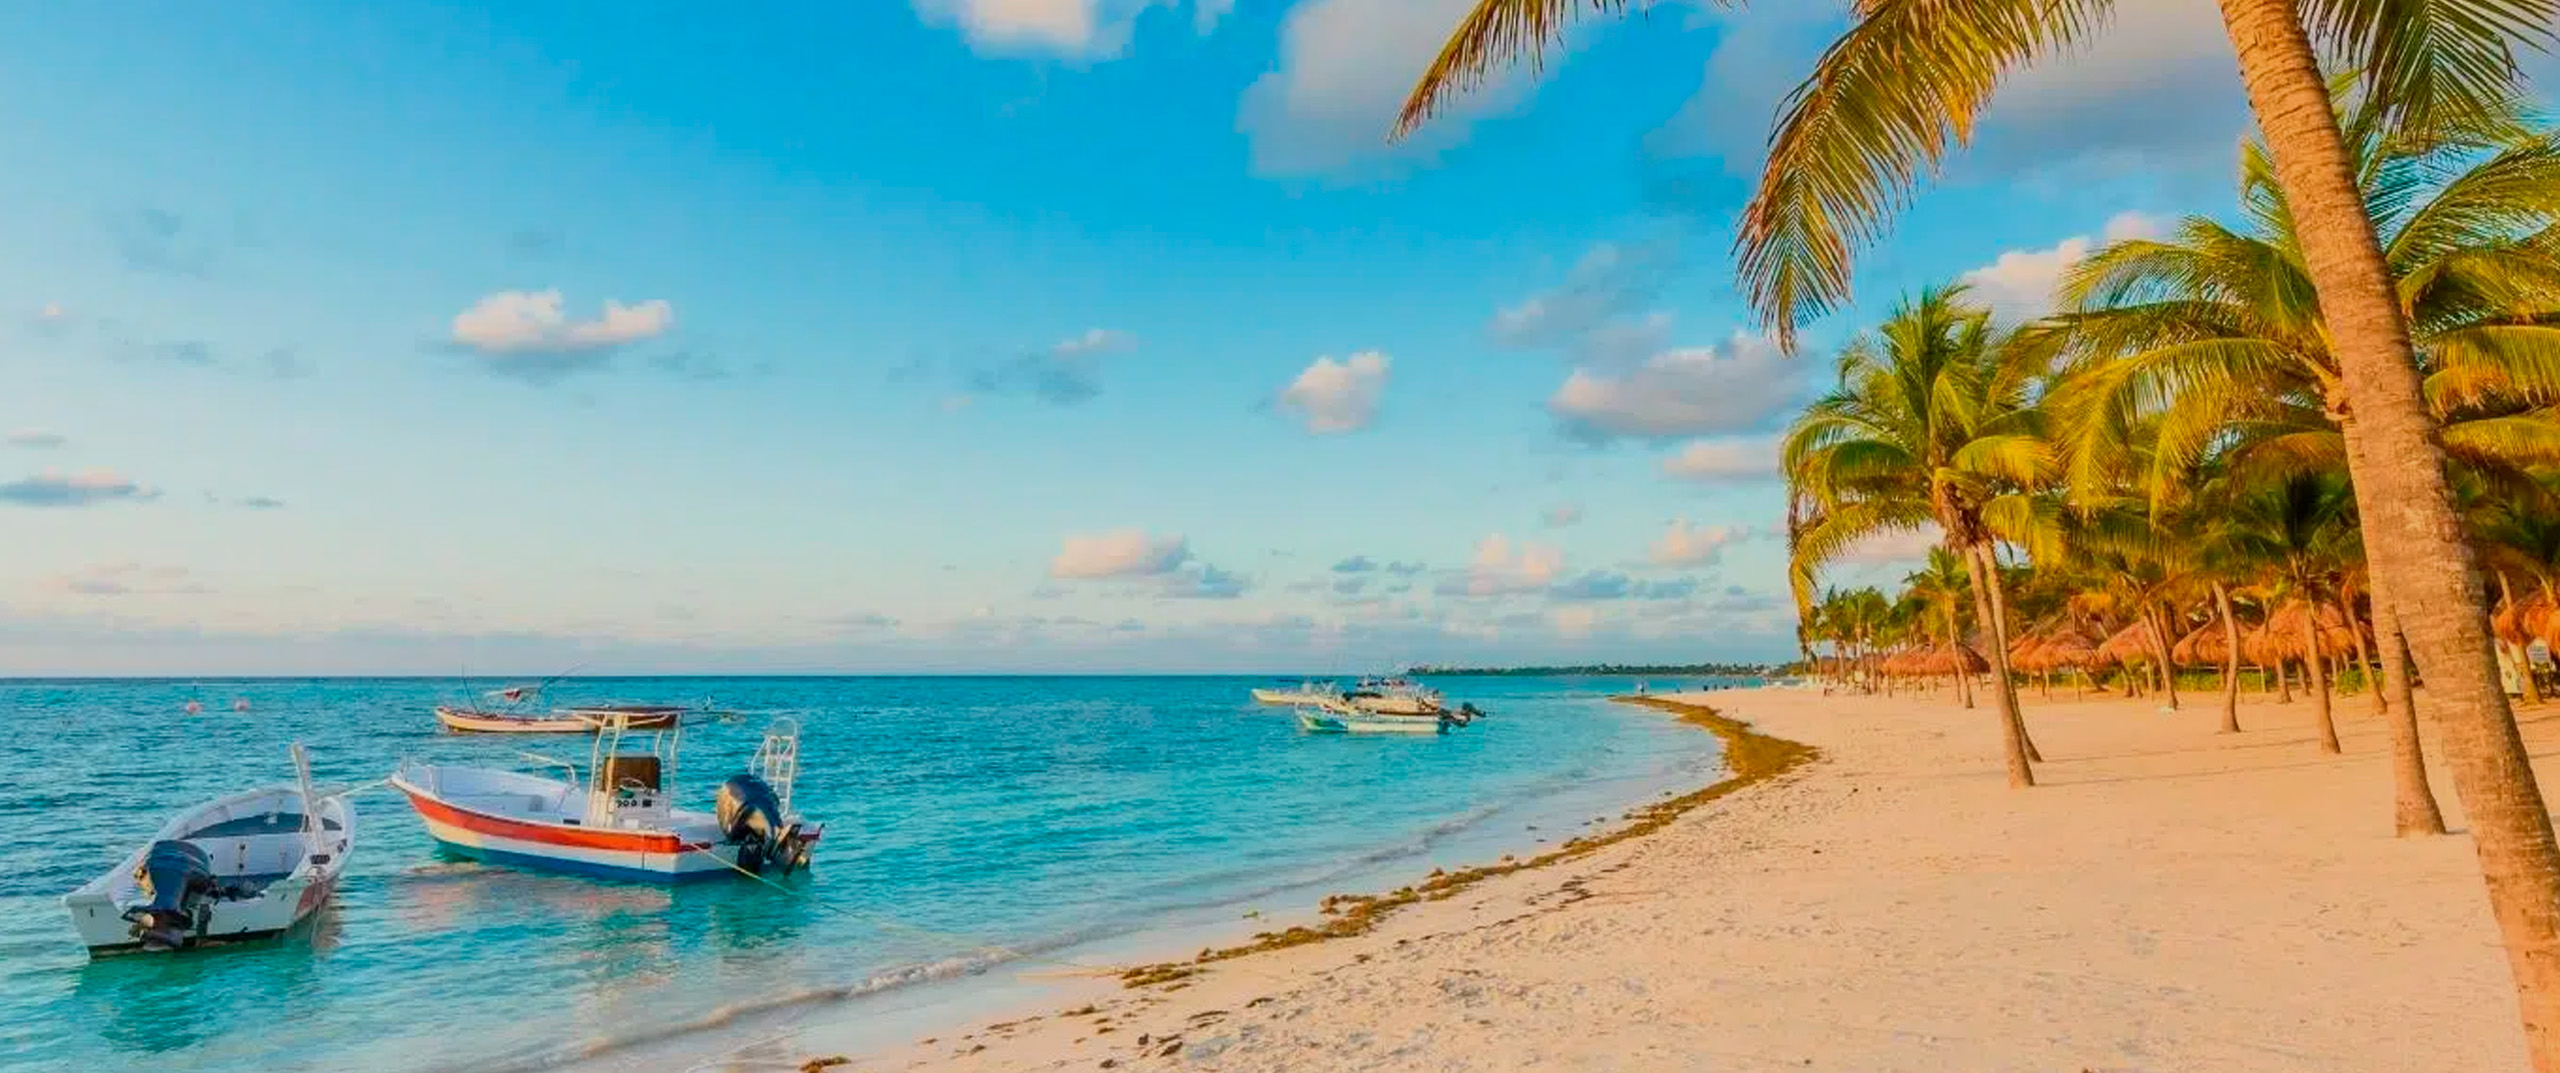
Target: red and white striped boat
[
  {"x": 563, "y": 721},
  {"x": 619, "y": 822}
]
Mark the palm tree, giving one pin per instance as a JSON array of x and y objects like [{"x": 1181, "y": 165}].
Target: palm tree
[
  {"x": 2303, "y": 526},
  {"x": 1930, "y": 423},
  {"x": 1939, "y": 589},
  {"x": 1908, "y": 80}
]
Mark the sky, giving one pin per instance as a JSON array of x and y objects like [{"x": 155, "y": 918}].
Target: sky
[{"x": 945, "y": 335}]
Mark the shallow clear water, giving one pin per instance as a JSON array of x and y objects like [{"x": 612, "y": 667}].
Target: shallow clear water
[{"x": 963, "y": 815}]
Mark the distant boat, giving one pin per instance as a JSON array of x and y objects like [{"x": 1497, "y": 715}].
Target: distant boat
[
  {"x": 1309, "y": 692},
  {"x": 248, "y": 866},
  {"x": 619, "y": 821},
  {"x": 511, "y": 716},
  {"x": 1393, "y": 696}
]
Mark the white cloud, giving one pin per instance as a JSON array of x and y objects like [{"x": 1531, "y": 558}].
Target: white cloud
[
  {"x": 1067, "y": 373},
  {"x": 1344, "y": 69},
  {"x": 1340, "y": 396},
  {"x": 1574, "y": 621},
  {"x": 2019, "y": 285},
  {"x": 1693, "y": 545},
  {"x": 1726, "y": 459},
  {"x": 532, "y": 321},
  {"x": 1898, "y": 548},
  {"x": 55, "y": 489},
  {"x": 1686, "y": 392},
  {"x": 1095, "y": 341},
  {"x": 1123, "y": 553},
  {"x": 1562, "y": 515},
  {"x": 35, "y": 439},
  {"x": 1611, "y": 282},
  {"x": 1501, "y": 568},
  {"x": 129, "y": 579},
  {"x": 1068, "y": 29}
]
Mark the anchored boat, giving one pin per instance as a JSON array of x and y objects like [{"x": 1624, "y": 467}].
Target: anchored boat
[
  {"x": 248, "y": 866},
  {"x": 511, "y": 714},
  {"x": 1393, "y": 696},
  {"x": 1309, "y": 692},
  {"x": 620, "y": 821},
  {"x": 1346, "y": 719}
]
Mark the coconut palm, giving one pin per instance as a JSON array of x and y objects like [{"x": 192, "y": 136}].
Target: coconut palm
[
  {"x": 1908, "y": 81},
  {"x": 1930, "y": 424},
  {"x": 1939, "y": 590}
]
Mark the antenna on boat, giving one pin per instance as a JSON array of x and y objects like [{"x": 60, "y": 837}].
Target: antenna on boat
[{"x": 310, "y": 800}]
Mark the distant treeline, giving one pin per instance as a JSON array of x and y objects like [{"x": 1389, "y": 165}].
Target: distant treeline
[{"x": 1666, "y": 670}]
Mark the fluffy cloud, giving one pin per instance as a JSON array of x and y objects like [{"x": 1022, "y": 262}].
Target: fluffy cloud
[
  {"x": 1904, "y": 547},
  {"x": 1124, "y": 553},
  {"x": 1163, "y": 566},
  {"x": 87, "y": 488},
  {"x": 1612, "y": 282},
  {"x": 1561, "y": 515},
  {"x": 1687, "y": 392},
  {"x": 1693, "y": 545},
  {"x": 1344, "y": 69},
  {"x": 527, "y": 334},
  {"x": 2157, "y": 86},
  {"x": 1068, "y": 29},
  {"x": 35, "y": 439},
  {"x": 1068, "y": 372},
  {"x": 2019, "y": 285},
  {"x": 1501, "y": 568},
  {"x": 1338, "y": 396},
  {"x": 1730, "y": 458},
  {"x": 1357, "y": 564}
]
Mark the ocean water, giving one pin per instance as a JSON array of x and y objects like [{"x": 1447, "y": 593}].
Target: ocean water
[{"x": 972, "y": 824}]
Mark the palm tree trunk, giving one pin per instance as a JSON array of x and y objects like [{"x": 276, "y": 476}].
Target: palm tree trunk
[
  {"x": 2284, "y": 680},
  {"x": 2521, "y": 654},
  {"x": 2013, "y": 728},
  {"x": 2156, "y": 623},
  {"x": 2413, "y": 802},
  {"x": 2364, "y": 656},
  {"x": 2412, "y": 533},
  {"x": 1955, "y": 646},
  {"x": 2316, "y": 678},
  {"x": 2230, "y": 659},
  {"x": 1990, "y": 556}
]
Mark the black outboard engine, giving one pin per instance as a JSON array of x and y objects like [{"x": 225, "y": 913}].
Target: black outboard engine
[
  {"x": 178, "y": 888},
  {"x": 750, "y": 817}
]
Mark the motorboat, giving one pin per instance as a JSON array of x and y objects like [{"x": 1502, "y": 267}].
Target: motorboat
[
  {"x": 1393, "y": 696},
  {"x": 619, "y": 819},
  {"x": 1349, "y": 719},
  {"x": 251, "y": 865},
  {"x": 1309, "y": 692},
  {"x": 509, "y": 711}
]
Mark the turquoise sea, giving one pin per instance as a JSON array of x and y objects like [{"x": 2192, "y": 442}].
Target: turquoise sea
[{"x": 974, "y": 826}]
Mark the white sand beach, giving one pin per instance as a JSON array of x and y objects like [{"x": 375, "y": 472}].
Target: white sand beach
[{"x": 2169, "y": 899}]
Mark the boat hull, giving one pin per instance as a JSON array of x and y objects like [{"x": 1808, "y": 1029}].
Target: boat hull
[
  {"x": 1364, "y": 722},
  {"x": 465, "y": 721},
  {"x": 283, "y": 902},
  {"x": 540, "y": 836},
  {"x": 1286, "y": 697}
]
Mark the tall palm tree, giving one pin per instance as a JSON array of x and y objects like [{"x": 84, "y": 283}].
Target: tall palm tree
[
  {"x": 1930, "y": 423},
  {"x": 1907, "y": 82},
  {"x": 2304, "y": 526}
]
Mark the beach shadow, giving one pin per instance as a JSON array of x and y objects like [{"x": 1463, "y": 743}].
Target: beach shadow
[{"x": 2178, "y": 776}]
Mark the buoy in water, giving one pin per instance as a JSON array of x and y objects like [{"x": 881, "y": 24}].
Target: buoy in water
[
  {"x": 195, "y": 707},
  {"x": 240, "y": 705}
]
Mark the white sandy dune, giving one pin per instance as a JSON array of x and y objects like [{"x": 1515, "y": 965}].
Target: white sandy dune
[{"x": 2171, "y": 899}]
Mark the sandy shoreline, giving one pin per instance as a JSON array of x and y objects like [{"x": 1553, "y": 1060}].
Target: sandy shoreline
[{"x": 2171, "y": 899}]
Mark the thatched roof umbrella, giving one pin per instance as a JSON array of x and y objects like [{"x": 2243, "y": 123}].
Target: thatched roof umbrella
[
  {"x": 2127, "y": 646},
  {"x": 1903, "y": 664},
  {"x": 2068, "y": 647},
  {"x": 2206, "y": 644},
  {"x": 2285, "y": 631},
  {"x": 1955, "y": 660},
  {"x": 2527, "y": 618}
]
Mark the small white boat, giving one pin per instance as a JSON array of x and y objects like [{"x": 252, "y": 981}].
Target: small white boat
[
  {"x": 248, "y": 866},
  {"x": 1393, "y": 696},
  {"x": 1310, "y": 692},
  {"x": 512, "y": 715},
  {"x": 620, "y": 821},
  {"x": 1347, "y": 719}
]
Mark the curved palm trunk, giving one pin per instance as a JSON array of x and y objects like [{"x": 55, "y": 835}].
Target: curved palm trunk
[
  {"x": 2284, "y": 681},
  {"x": 2156, "y": 624},
  {"x": 2013, "y": 728},
  {"x": 2315, "y": 674},
  {"x": 2413, "y": 802},
  {"x": 2230, "y": 659},
  {"x": 1990, "y": 560},
  {"x": 2414, "y": 537},
  {"x": 1955, "y": 645},
  {"x": 2364, "y": 655}
]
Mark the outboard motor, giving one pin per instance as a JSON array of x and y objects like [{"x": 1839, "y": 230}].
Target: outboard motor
[
  {"x": 177, "y": 884},
  {"x": 750, "y": 817}
]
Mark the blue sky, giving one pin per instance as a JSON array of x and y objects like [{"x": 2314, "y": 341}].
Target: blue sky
[{"x": 942, "y": 335}]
